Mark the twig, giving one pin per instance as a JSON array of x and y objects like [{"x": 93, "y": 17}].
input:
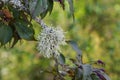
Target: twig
[
  {"x": 59, "y": 76},
  {"x": 39, "y": 21}
]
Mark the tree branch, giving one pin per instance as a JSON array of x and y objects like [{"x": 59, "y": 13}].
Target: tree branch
[{"x": 39, "y": 21}]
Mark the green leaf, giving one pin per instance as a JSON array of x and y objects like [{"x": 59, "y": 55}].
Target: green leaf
[
  {"x": 61, "y": 59},
  {"x": 87, "y": 70},
  {"x": 5, "y": 34},
  {"x": 78, "y": 51},
  {"x": 75, "y": 47},
  {"x": 105, "y": 75},
  {"x": 94, "y": 77},
  {"x": 24, "y": 31},
  {"x": 32, "y": 5},
  {"x": 50, "y": 6},
  {"x": 78, "y": 74},
  {"x": 43, "y": 14},
  {"x": 71, "y": 7},
  {"x": 40, "y": 7},
  {"x": 15, "y": 12},
  {"x": 15, "y": 39}
]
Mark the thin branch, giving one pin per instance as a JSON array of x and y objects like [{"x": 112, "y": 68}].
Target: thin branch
[
  {"x": 57, "y": 70},
  {"x": 39, "y": 21}
]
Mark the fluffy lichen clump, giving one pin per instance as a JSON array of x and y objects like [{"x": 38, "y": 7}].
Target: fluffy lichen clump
[
  {"x": 15, "y": 3},
  {"x": 49, "y": 41}
]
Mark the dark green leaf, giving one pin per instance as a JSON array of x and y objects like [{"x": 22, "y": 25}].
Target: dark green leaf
[
  {"x": 78, "y": 74},
  {"x": 94, "y": 77},
  {"x": 41, "y": 6},
  {"x": 87, "y": 70},
  {"x": 61, "y": 59},
  {"x": 15, "y": 12},
  {"x": 78, "y": 51},
  {"x": 16, "y": 38},
  {"x": 24, "y": 31},
  {"x": 75, "y": 47},
  {"x": 42, "y": 15},
  {"x": 50, "y": 6},
  {"x": 32, "y": 5},
  {"x": 5, "y": 34}
]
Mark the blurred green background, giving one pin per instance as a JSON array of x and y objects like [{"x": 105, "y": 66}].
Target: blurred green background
[{"x": 96, "y": 30}]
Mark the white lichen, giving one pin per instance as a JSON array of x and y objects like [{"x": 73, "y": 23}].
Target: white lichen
[
  {"x": 49, "y": 41},
  {"x": 15, "y": 3}
]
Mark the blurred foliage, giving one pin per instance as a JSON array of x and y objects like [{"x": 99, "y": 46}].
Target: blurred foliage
[
  {"x": 96, "y": 29},
  {"x": 16, "y": 18}
]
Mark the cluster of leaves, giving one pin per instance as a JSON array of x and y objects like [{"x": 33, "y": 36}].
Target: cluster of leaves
[
  {"x": 15, "y": 24},
  {"x": 16, "y": 21},
  {"x": 79, "y": 70}
]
